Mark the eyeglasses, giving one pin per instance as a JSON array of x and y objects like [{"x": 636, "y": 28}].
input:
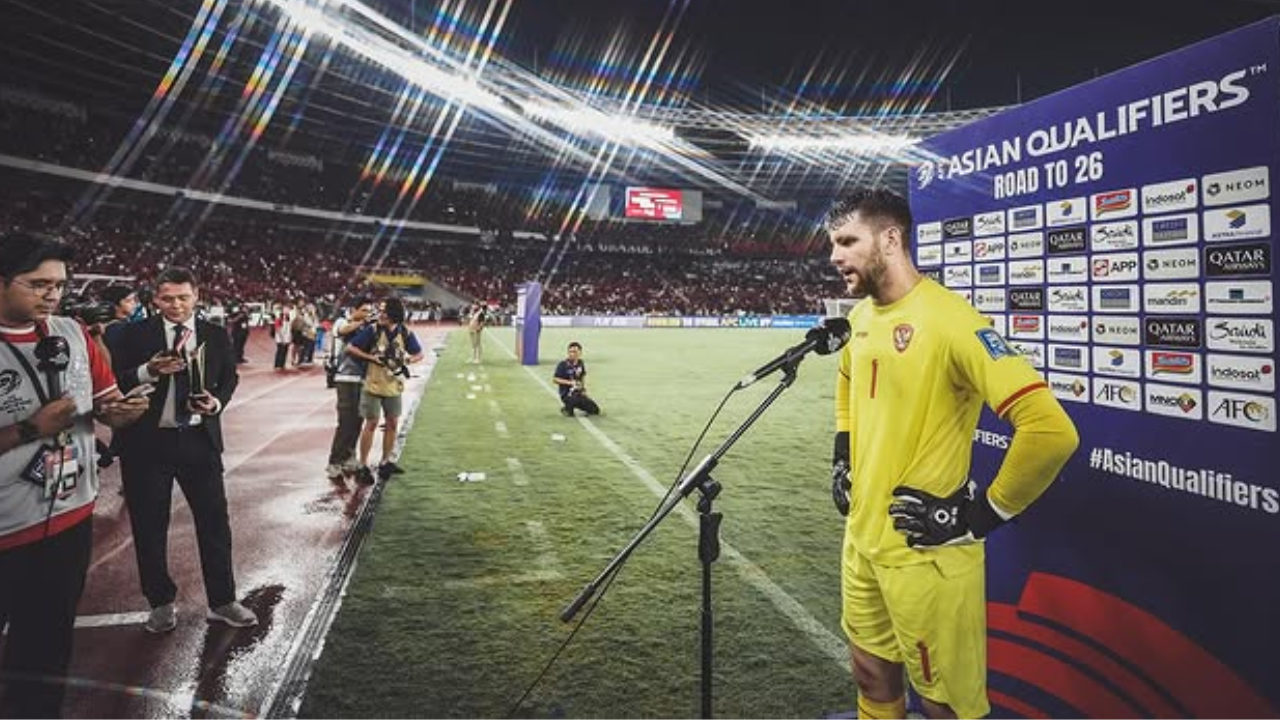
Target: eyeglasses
[{"x": 43, "y": 287}]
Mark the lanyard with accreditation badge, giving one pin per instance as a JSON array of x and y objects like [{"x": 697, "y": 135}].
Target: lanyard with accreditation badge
[{"x": 56, "y": 466}]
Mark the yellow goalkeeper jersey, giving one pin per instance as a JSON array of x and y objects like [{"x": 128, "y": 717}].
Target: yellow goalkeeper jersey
[{"x": 910, "y": 388}]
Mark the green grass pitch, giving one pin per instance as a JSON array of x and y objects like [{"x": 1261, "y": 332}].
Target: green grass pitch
[{"x": 453, "y": 608}]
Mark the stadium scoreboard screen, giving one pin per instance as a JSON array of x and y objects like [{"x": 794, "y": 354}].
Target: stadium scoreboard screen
[{"x": 646, "y": 205}]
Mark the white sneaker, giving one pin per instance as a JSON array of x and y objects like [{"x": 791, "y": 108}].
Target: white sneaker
[
  {"x": 333, "y": 472},
  {"x": 233, "y": 614}
]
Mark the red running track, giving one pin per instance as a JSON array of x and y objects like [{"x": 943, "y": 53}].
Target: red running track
[{"x": 287, "y": 523}]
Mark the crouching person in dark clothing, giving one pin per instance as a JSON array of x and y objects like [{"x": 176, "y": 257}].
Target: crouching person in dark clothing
[{"x": 571, "y": 377}]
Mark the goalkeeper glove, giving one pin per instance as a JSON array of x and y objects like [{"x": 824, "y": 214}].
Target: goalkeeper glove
[
  {"x": 961, "y": 518},
  {"x": 841, "y": 485}
]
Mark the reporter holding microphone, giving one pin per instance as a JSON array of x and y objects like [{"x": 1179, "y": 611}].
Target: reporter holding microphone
[{"x": 54, "y": 381}]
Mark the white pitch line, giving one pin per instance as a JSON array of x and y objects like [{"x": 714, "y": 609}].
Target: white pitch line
[
  {"x": 501, "y": 428},
  {"x": 111, "y": 620},
  {"x": 826, "y": 641},
  {"x": 517, "y": 472}
]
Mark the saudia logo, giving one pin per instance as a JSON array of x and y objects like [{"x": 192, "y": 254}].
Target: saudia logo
[{"x": 1227, "y": 329}]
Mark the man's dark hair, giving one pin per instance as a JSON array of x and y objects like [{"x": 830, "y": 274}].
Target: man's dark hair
[
  {"x": 575, "y": 344},
  {"x": 877, "y": 206},
  {"x": 23, "y": 252},
  {"x": 175, "y": 275},
  {"x": 394, "y": 310}
]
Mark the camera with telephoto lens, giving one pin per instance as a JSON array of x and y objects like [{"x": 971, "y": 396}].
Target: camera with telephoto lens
[
  {"x": 393, "y": 360},
  {"x": 87, "y": 310}
]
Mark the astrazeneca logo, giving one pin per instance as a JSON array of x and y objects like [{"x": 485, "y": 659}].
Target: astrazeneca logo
[
  {"x": 925, "y": 173},
  {"x": 1246, "y": 259},
  {"x": 1237, "y": 186}
]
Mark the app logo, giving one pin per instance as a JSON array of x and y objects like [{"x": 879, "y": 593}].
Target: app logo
[
  {"x": 989, "y": 249},
  {"x": 1115, "y": 268}
]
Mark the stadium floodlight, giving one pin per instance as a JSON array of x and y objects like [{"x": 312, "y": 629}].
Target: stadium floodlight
[
  {"x": 857, "y": 143},
  {"x": 587, "y": 120}
]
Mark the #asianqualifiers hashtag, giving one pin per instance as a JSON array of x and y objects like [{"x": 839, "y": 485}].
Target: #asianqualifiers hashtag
[{"x": 1207, "y": 483}]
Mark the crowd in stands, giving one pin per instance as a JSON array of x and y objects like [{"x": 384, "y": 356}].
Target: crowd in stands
[{"x": 726, "y": 265}]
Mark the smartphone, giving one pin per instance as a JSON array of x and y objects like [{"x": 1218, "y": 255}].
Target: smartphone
[{"x": 142, "y": 390}]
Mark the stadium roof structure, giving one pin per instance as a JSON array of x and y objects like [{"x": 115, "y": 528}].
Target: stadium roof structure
[{"x": 349, "y": 81}]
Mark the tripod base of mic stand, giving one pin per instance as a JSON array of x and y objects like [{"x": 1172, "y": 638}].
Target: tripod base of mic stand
[{"x": 708, "y": 553}]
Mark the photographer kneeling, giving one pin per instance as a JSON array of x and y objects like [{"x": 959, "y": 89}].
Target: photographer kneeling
[
  {"x": 388, "y": 347},
  {"x": 571, "y": 376}
]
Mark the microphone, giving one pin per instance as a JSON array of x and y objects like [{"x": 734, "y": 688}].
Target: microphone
[
  {"x": 824, "y": 339},
  {"x": 54, "y": 355}
]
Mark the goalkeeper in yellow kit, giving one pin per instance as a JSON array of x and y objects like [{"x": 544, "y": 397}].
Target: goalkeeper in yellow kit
[{"x": 912, "y": 382}]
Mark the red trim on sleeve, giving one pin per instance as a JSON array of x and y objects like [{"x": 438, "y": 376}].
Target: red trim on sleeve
[
  {"x": 36, "y": 533},
  {"x": 99, "y": 366},
  {"x": 1018, "y": 395}
]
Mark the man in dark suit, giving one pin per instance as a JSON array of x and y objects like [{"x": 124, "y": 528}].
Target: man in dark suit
[{"x": 193, "y": 367}]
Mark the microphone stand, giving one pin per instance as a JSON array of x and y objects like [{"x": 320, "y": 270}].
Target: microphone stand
[{"x": 708, "y": 531}]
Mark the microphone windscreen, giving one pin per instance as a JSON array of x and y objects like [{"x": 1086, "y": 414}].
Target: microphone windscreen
[
  {"x": 836, "y": 332},
  {"x": 53, "y": 352}
]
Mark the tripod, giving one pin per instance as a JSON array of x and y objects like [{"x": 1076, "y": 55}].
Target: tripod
[{"x": 708, "y": 533}]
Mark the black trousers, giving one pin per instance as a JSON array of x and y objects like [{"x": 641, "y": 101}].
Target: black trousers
[
  {"x": 282, "y": 355},
  {"x": 580, "y": 401},
  {"x": 188, "y": 456},
  {"x": 347, "y": 434},
  {"x": 40, "y": 586}
]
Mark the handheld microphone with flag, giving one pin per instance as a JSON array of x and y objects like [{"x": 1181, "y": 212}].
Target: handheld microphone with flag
[
  {"x": 824, "y": 339},
  {"x": 53, "y": 354}
]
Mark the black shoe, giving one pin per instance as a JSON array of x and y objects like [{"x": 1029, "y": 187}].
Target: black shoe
[
  {"x": 395, "y": 469},
  {"x": 385, "y": 471},
  {"x": 567, "y": 412},
  {"x": 364, "y": 476}
]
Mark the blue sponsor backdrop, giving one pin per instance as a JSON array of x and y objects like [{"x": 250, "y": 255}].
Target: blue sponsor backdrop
[{"x": 1145, "y": 582}]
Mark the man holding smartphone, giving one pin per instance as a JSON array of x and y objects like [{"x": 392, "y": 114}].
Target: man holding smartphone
[{"x": 193, "y": 367}]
